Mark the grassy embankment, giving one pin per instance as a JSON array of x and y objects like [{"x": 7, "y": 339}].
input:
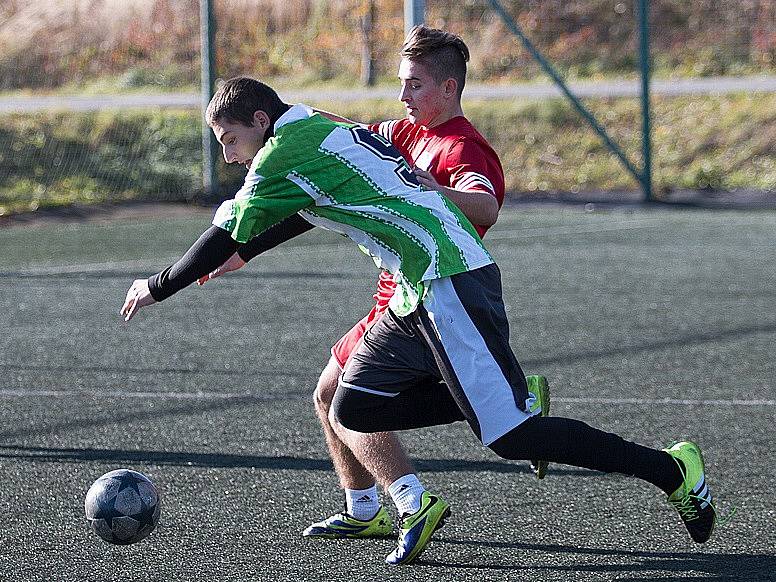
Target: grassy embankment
[{"x": 713, "y": 142}]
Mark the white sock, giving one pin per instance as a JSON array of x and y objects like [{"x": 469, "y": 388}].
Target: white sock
[
  {"x": 406, "y": 493},
  {"x": 363, "y": 504}
]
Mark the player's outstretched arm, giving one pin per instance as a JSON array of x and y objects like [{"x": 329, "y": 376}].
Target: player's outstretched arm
[
  {"x": 233, "y": 263},
  {"x": 210, "y": 251},
  {"x": 138, "y": 296},
  {"x": 338, "y": 118},
  {"x": 279, "y": 233}
]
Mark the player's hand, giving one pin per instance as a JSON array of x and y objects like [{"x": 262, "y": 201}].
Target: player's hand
[
  {"x": 138, "y": 296},
  {"x": 426, "y": 179},
  {"x": 232, "y": 264}
]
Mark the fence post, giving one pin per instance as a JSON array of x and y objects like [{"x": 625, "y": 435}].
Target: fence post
[
  {"x": 210, "y": 149},
  {"x": 414, "y": 14},
  {"x": 646, "y": 119}
]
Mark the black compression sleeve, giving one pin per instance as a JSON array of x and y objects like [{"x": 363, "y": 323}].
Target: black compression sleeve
[
  {"x": 211, "y": 250},
  {"x": 273, "y": 236},
  {"x": 573, "y": 442}
]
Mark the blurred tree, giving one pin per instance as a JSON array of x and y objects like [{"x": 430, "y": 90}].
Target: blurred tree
[{"x": 366, "y": 23}]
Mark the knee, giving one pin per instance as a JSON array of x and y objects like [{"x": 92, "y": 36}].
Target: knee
[
  {"x": 511, "y": 446},
  {"x": 322, "y": 397},
  {"x": 325, "y": 390},
  {"x": 500, "y": 448},
  {"x": 339, "y": 417},
  {"x": 334, "y": 416},
  {"x": 345, "y": 414}
]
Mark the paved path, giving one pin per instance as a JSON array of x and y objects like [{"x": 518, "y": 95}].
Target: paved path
[{"x": 612, "y": 88}]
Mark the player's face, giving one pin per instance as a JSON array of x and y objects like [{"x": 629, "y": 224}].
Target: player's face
[
  {"x": 427, "y": 101},
  {"x": 240, "y": 143}
]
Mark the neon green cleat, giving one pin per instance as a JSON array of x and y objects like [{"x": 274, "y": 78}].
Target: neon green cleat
[
  {"x": 693, "y": 499},
  {"x": 342, "y": 525},
  {"x": 540, "y": 388},
  {"x": 417, "y": 528}
]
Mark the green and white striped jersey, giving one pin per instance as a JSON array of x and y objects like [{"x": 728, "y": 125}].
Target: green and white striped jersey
[{"x": 352, "y": 181}]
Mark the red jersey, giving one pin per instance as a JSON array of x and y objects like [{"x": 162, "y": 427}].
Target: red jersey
[
  {"x": 455, "y": 153},
  {"x": 457, "y": 156}
]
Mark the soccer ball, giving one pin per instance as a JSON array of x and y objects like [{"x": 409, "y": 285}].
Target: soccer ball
[{"x": 122, "y": 506}]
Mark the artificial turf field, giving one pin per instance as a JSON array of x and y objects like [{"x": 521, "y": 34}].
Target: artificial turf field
[{"x": 655, "y": 324}]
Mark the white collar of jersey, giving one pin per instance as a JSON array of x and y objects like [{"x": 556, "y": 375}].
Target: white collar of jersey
[{"x": 295, "y": 113}]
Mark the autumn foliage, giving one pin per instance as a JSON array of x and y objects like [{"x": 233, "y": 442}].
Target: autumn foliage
[{"x": 156, "y": 42}]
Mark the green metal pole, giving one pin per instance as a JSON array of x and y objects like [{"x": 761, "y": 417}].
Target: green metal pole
[
  {"x": 581, "y": 109},
  {"x": 210, "y": 149},
  {"x": 414, "y": 14},
  {"x": 646, "y": 117}
]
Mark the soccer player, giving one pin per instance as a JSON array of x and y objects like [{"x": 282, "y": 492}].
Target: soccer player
[
  {"x": 441, "y": 352},
  {"x": 450, "y": 156}
]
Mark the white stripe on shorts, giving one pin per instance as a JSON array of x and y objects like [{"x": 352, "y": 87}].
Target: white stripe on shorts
[
  {"x": 369, "y": 390},
  {"x": 478, "y": 373}
]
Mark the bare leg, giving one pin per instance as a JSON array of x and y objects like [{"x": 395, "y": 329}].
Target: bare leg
[
  {"x": 358, "y": 458},
  {"x": 352, "y": 474}
]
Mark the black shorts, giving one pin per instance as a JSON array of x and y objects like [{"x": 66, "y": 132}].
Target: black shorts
[{"x": 459, "y": 336}]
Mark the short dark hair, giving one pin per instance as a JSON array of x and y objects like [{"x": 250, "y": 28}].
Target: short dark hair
[
  {"x": 444, "y": 54},
  {"x": 237, "y": 99}
]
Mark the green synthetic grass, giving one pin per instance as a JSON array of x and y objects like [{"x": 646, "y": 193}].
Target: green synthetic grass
[
  {"x": 628, "y": 313},
  {"x": 712, "y": 142}
]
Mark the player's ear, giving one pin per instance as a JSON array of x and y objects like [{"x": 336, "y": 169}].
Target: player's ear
[
  {"x": 451, "y": 87},
  {"x": 261, "y": 119}
]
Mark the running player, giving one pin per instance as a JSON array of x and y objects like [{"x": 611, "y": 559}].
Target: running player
[
  {"x": 441, "y": 352},
  {"x": 449, "y": 156}
]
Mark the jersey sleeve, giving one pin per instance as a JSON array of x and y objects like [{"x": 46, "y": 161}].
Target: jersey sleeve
[
  {"x": 260, "y": 204},
  {"x": 385, "y": 128},
  {"x": 275, "y": 235},
  {"x": 473, "y": 168},
  {"x": 265, "y": 200}
]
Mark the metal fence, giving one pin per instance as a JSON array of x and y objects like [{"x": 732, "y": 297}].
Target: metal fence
[{"x": 679, "y": 93}]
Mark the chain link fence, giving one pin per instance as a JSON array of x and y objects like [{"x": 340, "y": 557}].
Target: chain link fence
[{"x": 708, "y": 140}]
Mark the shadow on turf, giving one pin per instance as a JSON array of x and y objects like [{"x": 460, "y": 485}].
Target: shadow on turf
[
  {"x": 690, "y": 340},
  {"x": 156, "y": 413},
  {"x": 710, "y": 566},
  {"x": 48, "y": 275},
  {"x": 201, "y": 370},
  {"x": 219, "y": 460},
  {"x": 564, "y": 359}
]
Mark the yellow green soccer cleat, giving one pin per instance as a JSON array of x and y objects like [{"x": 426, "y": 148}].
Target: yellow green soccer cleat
[
  {"x": 693, "y": 499},
  {"x": 417, "y": 528},
  {"x": 342, "y": 525},
  {"x": 538, "y": 386}
]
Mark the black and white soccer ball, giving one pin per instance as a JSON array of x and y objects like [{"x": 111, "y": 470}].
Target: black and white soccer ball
[{"x": 123, "y": 506}]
